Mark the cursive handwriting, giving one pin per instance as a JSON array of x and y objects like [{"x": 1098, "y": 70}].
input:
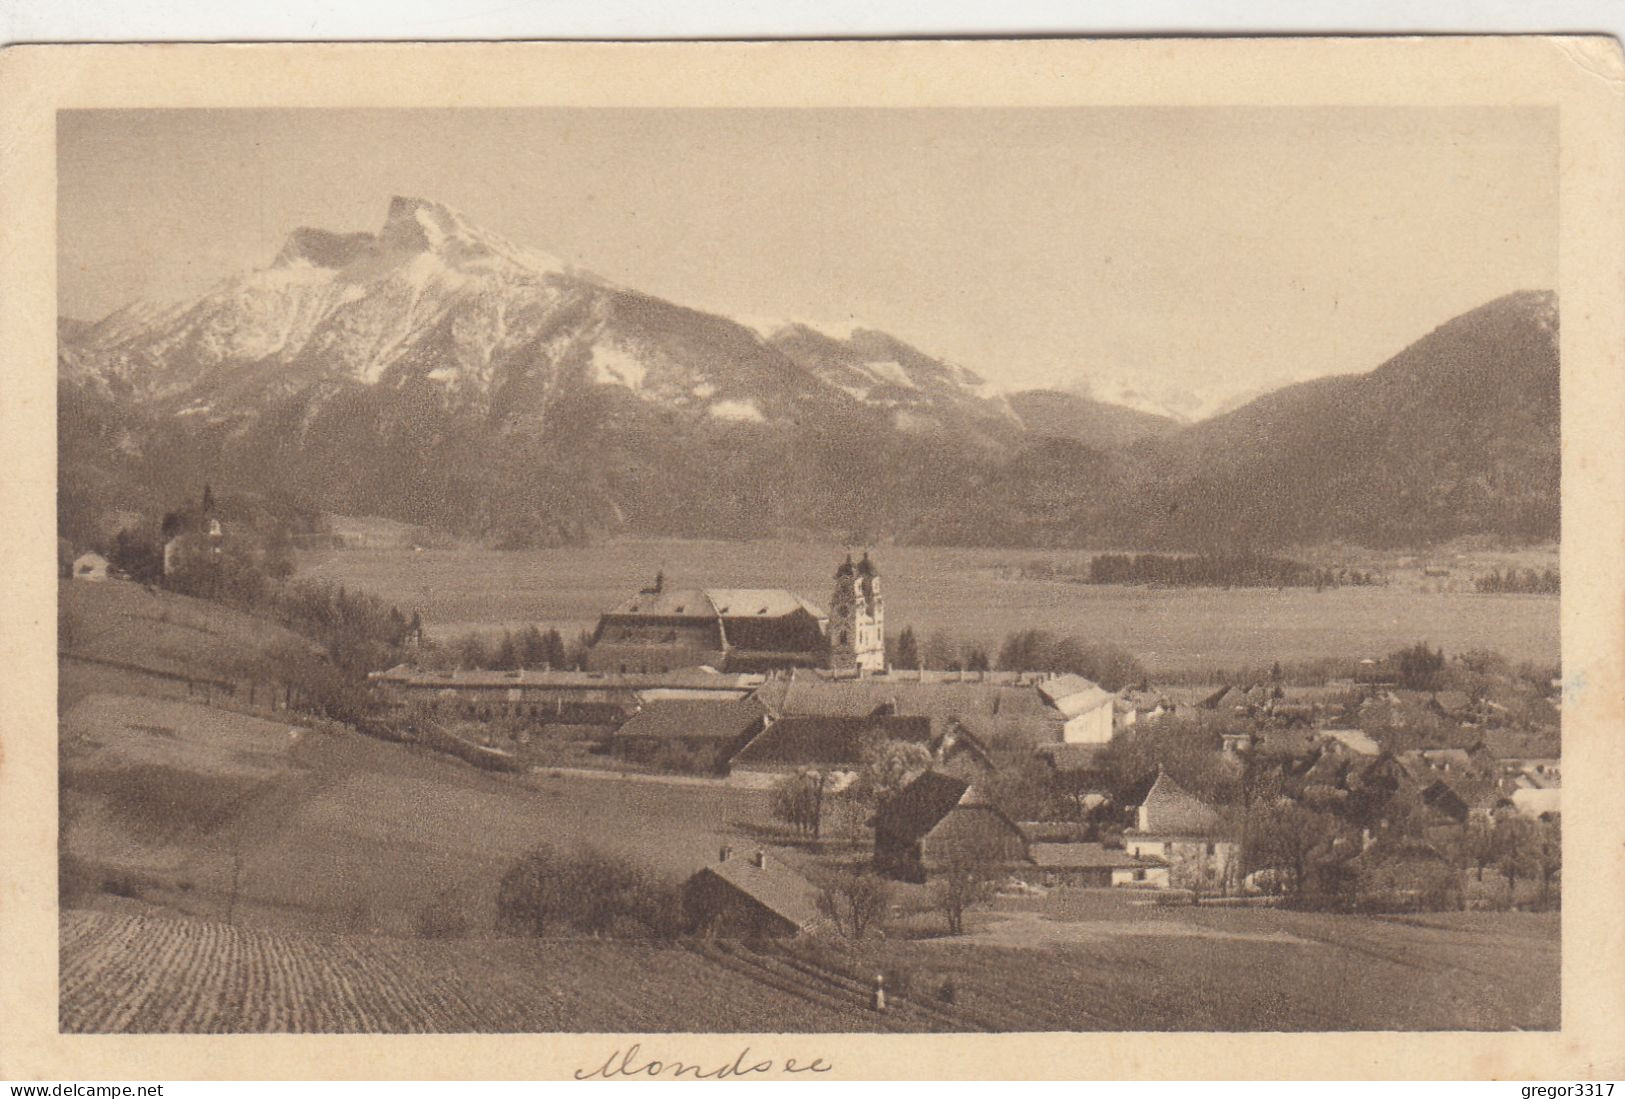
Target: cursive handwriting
[{"x": 632, "y": 1063}]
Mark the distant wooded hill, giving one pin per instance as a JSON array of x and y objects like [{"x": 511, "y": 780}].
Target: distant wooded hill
[{"x": 1455, "y": 435}]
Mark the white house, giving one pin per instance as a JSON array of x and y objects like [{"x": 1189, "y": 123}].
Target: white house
[
  {"x": 1087, "y": 711},
  {"x": 90, "y": 566},
  {"x": 1181, "y": 831}
]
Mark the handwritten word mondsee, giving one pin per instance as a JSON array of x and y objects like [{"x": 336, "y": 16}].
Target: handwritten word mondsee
[{"x": 631, "y": 1063}]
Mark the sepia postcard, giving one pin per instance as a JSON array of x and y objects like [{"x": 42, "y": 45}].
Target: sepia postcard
[{"x": 870, "y": 559}]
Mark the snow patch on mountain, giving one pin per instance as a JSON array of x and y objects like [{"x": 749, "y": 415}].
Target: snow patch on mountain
[
  {"x": 737, "y": 410},
  {"x": 613, "y": 364}
]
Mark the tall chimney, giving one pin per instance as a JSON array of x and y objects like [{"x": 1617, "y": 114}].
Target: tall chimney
[
  {"x": 759, "y": 860},
  {"x": 722, "y": 855}
]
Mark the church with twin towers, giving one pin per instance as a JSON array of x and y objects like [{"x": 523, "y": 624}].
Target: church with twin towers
[{"x": 663, "y": 628}]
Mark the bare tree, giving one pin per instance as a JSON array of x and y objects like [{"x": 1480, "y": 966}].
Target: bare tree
[
  {"x": 853, "y": 900},
  {"x": 798, "y": 800},
  {"x": 963, "y": 880}
]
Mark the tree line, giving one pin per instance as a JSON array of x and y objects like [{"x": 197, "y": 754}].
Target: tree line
[
  {"x": 1028, "y": 650},
  {"x": 1213, "y": 570},
  {"x": 1520, "y": 581}
]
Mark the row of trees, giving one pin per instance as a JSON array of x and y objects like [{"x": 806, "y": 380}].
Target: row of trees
[
  {"x": 1242, "y": 570},
  {"x": 530, "y": 647},
  {"x": 1030, "y": 650},
  {"x": 1316, "y": 857},
  {"x": 1520, "y": 581}
]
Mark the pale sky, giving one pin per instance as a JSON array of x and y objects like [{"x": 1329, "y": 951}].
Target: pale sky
[{"x": 1207, "y": 247}]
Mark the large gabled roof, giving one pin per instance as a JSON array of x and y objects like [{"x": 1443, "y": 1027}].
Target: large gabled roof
[
  {"x": 826, "y": 739},
  {"x": 1170, "y": 810},
  {"x": 920, "y": 806},
  {"x": 1073, "y": 694},
  {"x": 671, "y": 718},
  {"x": 718, "y": 603},
  {"x": 775, "y": 887}
]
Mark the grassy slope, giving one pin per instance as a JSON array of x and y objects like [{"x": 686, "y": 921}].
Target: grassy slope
[
  {"x": 174, "y": 636},
  {"x": 340, "y": 832}
]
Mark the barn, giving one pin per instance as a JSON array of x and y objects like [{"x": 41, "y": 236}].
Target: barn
[
  {"x": 747, "y": 896},
  {"x": 938, "y": 819}
]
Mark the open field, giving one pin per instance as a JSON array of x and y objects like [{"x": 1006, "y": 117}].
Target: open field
[
  {"x": 145, "y": 975},
  {"x": 971, "y": 594}
]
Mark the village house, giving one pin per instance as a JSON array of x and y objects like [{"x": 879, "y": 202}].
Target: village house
[
  {"x": 709, "y": 730},
  {"x": 938, "y": 819},
  {"x": 792, "y": 742},
  {"x": 993, "y": 706},
  {"x": 1135, "y": 705},
  {"x": 1393, "y": 870},
  {"x": 1091, "y": 865},
  {"x": 90, "y": 566},
  {"x": 1088, "y": 713},
  {"x": 1182, "y": 831},
  {"x": 745, "y": 896}
]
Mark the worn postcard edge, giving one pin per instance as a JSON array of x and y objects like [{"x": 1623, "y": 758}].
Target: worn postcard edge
[{"x": 1582, "y": 77}]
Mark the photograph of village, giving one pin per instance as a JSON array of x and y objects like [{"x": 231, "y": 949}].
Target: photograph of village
[{"x": 765, "y": 571}]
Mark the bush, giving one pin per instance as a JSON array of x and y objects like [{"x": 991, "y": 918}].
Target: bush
[
  {"x": 587, "y": 892},
  {"x": 122, "y": 885},
  {"x": 853, "y": 901},
  {"x": 442, "y": 918}
]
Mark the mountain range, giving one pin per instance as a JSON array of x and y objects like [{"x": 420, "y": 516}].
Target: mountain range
[{"x": 435, "y": 373}]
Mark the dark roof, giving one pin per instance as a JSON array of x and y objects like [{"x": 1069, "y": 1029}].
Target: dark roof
[
  {"x": 799, "y": 738},
  {"x": 1070, "y": 757},
  {"x": 1510, "y": 744},
  {"x": 692, "y": 678},
  {"x": 1053, "y": 831},
  {"x": 665, "y": 718},
  {"x": 715, "y": 603},
  {"x": 920, "y": 806},
  {"x": 938, "y": 694},
  {"x": 1080, "y": 856},
  {"x": 1441, "y": 797},
  {"x": 1293, "y": 742},
  {"x": 775, "y": 887}
]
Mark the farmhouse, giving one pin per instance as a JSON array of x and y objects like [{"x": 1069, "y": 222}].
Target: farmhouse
[
  {"x": 1091, "y": 864},
  {"x": 1181, "y": 831},
  {"x": 745, "y": 629},
  {"x": 1089, "y": 713},
  {"x": 741, "y": 896},
  {"x": 90, "y": 566},
  {"x": 938, "y": 819},
  {"x": 992, "y": 705},
  {"x": 795, "y": 741},
  {"x": 709, "y": 730}
]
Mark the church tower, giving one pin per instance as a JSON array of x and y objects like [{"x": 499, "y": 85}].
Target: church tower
[{"x": 857, "y": 618}]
